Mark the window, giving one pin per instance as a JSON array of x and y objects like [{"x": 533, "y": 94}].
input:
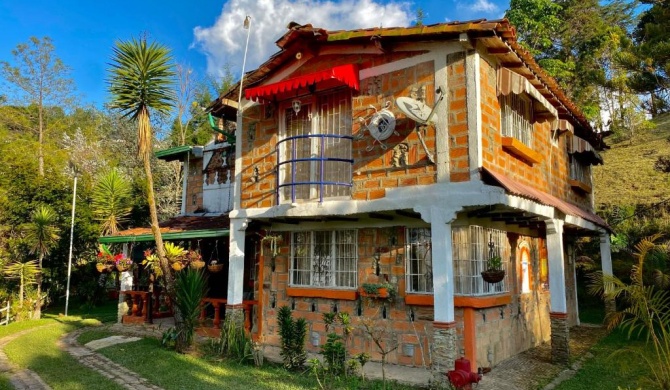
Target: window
[
  {"x": 472, "y": 247},
  {"x": 517, "y": 118},
  {"x": 419, "y": 271},
  {"x": 324, "y": 258},
  {"x": 524, "y": 253},
  {"x": 315, "y": 155},
  {"x": 579, "y": 171}
]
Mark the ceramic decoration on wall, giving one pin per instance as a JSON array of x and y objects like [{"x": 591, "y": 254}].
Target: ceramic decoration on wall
[{"x": 381, "y": 126}]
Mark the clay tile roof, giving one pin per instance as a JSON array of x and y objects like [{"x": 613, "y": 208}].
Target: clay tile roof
[
  {"x": 500, "y": 31},
  {"x": 182, "y": 224},
  {"x": 515, "y": 188}
]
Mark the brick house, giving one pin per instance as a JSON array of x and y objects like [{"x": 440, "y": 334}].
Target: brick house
[{"x": 404, "y": 158}]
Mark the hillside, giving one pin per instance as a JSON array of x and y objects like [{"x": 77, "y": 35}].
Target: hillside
[{"x": 628, "y": 176}]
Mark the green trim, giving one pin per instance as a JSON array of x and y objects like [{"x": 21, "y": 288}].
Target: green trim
[
  {"x": 173, "y": 153},
  {"x": 185, "y": 235}
]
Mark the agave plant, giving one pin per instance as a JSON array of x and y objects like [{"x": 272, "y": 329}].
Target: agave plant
[
  {"x": 191, "y": 288},
  {"x": 646, "y": 309}
]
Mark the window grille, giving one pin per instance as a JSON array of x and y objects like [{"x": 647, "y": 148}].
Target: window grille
[
  {"x": 472, "y": 247},
  {"x": 315, "y": 155},
  {"x": 516, "y": 118},
  {"x": 419, "y": 272},
  {"x": 324, "y": 258},
  {"x": 579, "y": 171}
]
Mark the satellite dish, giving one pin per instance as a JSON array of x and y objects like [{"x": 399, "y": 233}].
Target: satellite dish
[
  {"x": 416, "y": 110},
  {"x": 382, "y": 125}
]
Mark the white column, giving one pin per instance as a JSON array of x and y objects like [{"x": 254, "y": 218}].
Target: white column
[
  {"x": 126, "y": 284},
  {"x": 443, "y": 261},
  {"x": 472, "y": 79},
  {"x": 556, "y": 260},
  {"x": 238, "y": 227},
  {"x": 442, "y": 159}
]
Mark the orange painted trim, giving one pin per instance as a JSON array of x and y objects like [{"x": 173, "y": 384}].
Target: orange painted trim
[
  {"x": 483, "y": 302},
  {"x": 444, "y": 325},
  {"x": 420, "y": 300},
  {"x": 554, "y": 314},
  {"x": 347, "y": 295},
  {"x": 580, "y": 186},
  {"x": 517, "y": 148},
  {"x": 470, "y": 336}
]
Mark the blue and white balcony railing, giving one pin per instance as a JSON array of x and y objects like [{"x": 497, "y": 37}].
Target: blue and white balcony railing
[{"x": 318, "y": 167}]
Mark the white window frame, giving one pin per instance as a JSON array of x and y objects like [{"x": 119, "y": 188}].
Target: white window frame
[
  {"x": 470, "y": 251},
  {"x": 333, "y": 261},
  {"x": 418, "y": 256},
  {"x": 312, "y": 104},
  {"x": 516, "y": 117}
]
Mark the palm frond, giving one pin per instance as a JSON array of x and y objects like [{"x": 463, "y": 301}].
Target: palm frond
[
  {"x": 141, "y": 79},
  {"x": 27, "y": 271},
  {"x": 111, "y": 200},
  {"x": 42, "y": 232}
]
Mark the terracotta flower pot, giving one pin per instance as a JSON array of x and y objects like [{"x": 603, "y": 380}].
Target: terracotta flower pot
[{"x": 214, "y": 268}]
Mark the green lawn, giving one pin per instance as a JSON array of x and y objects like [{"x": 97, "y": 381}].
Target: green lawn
[
  {"x": 612, "y": 366},
  {"x": 171, "y": 370}
]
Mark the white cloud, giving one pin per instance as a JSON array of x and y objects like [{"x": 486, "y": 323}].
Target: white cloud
[
  {"x": 477, "y": 9},
  {"x": 223, "y": 43}
]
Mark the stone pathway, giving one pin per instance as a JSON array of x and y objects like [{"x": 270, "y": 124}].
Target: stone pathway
[
  {"x": 103, "y": 365},
  {"x": 20, "y": 378}
]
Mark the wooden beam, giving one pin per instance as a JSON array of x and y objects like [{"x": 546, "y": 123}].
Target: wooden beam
[
  {"x": 385, "y": 217},
  {"x": 409, "y": 214},
  {"x": 499, "y": 50}
]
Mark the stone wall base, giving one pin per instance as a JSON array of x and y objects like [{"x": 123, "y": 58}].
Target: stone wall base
[
  {"x": 560, "y": 338},
  {"x": 235, "y": 314},
  {"x": 444, "y": 351}
]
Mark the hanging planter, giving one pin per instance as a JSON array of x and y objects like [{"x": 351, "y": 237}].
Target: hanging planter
[
  {"x": 494, "y": 273},
  {"x": 214, "y": 267},
  {"x": 197, "y": 264},
  {"x": 177, "y": 266},
  {"x": 103, "y": 267}
]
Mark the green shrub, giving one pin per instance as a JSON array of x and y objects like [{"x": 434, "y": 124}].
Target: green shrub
[
  {"x": 190, "y": 289},
  {"x": 234, "y": 342},
  {"x": 292, "y": 333}
]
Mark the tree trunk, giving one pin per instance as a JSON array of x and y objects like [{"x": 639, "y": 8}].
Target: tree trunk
[
  {"x": 37, "y": 314},
  {"x": 40, "y": 140},
  {"x": 160, "y": 249}
]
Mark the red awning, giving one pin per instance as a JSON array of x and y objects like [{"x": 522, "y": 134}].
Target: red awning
[{"x": 343, "y": 74}]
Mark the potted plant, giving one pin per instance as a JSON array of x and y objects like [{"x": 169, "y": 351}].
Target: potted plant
[
  {"x": 378, "y": 290},
  {"x": 195, "y": 259},
  {"x": 494, "y": 272},
  {"x": 105, "y": 259},
  {"x": 176, "y": 255},
  {"x": 215, "y": 267}
]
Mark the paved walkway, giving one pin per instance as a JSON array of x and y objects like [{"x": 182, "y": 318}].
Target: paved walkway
[
  {"x": 20, "y": 378},
  {"x": 103, "y": 365}
]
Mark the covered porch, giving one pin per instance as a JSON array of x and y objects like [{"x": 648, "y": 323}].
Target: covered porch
[{"x": 143, "y": 300}]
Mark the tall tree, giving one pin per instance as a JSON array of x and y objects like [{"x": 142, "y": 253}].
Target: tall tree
[
  {"x": 141, "y": 80},
  {"x": 42, "y": 234},
  {"x": 42, "y": 81},
  {"x": 186, "y": 89}
]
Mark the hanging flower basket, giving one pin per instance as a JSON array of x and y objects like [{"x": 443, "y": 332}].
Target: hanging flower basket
[
  {"x": 122, "y": 268},
  {"x": 214, "y": 268},
  {"x": 101, "y": 267},
  {"x": 197, "y": 264},
  {"x": 493, "y": 275},
  {"x": 177, "y": 266}
]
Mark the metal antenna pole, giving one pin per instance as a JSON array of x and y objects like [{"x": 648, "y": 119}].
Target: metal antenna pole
[
  {"x": 69, "y": 261},
  {"x": 247, "y": 26}
]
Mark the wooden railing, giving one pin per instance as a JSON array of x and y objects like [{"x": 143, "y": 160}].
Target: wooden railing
[
  {"x": 138, "y": 303},
  {"x": 6, "y": 315},
  {"x": 219, "y": 305}
]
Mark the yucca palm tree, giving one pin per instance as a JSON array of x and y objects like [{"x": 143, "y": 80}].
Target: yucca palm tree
[
  {"x": 646, "y": 309},
  {"x": 42, "y": 234},
  {"x": 140, "y": 82},
  {"x": 27, "y": 273},
  {"x": 111, "y": 200}
]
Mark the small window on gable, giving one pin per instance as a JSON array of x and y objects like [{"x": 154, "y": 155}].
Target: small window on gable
[{"x": 517, "y": 118}]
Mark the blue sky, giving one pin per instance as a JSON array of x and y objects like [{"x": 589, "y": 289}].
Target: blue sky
[{"x": 206, "y": 35}]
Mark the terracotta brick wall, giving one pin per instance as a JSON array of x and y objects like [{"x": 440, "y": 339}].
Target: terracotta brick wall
[
  {"x": 403, "y": 163},
  {"x": 458, "y": 117},
  {"x": 194, "y": 186},
  {"x": 410, "y": 324},
  {"x": 550, "y": 175}
]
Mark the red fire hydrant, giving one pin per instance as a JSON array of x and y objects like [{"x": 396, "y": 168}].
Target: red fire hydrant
[{"x": 462, "y": 376}]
